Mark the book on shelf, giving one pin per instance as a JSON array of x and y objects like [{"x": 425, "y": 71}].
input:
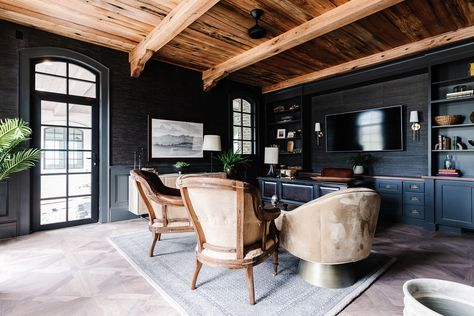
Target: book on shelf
[
  {"x": 461, "y": 94},
  {"x": 449, "y": 173},
  {"x": 449, "y": 143}
]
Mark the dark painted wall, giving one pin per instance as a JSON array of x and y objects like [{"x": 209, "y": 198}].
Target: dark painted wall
[
  {"x": 163, "y": 90},
  {"x": 411, "y": 91}
]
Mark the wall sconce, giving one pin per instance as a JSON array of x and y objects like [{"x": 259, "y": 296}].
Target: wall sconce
[
  {"x": 319, "y": 134},
  {"x": 415, "y": 125}
]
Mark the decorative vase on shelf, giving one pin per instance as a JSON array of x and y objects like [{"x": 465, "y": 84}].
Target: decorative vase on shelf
[{"x": 358, "y": 169}]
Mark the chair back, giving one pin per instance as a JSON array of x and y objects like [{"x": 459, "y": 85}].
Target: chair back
[
  {"x": 336, "y": 228},
  {"x": 155, "y": 193},
  {"x": 223, "y": 212}
]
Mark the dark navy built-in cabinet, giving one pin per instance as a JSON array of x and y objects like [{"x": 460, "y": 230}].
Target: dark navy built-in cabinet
[{"x": 454, "y": 204}]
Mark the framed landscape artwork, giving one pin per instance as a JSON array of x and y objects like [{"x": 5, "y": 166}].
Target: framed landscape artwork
[{"x": 174, "y": 139}]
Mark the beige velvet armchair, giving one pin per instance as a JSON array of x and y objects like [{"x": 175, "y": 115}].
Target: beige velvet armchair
[
  {"x": 330, "y": 233},
  {"x": 166, "y": 210},
  {"x": 233, "y": 229}
]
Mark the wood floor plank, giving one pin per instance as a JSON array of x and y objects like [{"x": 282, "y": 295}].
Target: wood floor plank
[{"x": 75, "y": 271}]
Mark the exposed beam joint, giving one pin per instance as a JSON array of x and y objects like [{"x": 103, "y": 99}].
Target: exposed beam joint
[
  {"x": 334, "y": 19},
  {"x": 183, "y": 15},
  {"x": 388, "y": 55}
]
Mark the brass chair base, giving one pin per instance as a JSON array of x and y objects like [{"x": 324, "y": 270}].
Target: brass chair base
[{"x": 327, "y": 275}]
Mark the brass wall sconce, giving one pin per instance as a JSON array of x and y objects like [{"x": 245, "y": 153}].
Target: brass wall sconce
[
  {"x": 319, "y": 134},
  {"x": 415, "y": 125}
]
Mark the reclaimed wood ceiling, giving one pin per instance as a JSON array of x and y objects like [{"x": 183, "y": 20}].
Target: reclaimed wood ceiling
[{"x": 221, "y": 32}]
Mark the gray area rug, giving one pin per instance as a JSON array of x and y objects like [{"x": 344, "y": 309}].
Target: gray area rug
[{"x": 224, "y": 292}]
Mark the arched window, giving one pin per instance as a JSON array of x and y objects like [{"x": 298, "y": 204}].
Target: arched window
[{"x": 243, "y": 127}]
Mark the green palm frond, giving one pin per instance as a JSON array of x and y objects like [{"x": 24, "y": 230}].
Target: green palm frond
[
  {"x": 19, "y": 161},
  {"x": 12, "y": 160},
  {"x": 230, "y": 159},
  {"x": 13, "y": 132}
]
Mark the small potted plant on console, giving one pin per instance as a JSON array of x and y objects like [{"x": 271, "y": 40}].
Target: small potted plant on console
[
  {"x": 180, "y": 166},
  {"x": 360, "y": 162}
]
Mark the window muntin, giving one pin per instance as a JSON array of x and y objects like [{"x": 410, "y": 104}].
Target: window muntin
[{"x": 243, "y": 127}]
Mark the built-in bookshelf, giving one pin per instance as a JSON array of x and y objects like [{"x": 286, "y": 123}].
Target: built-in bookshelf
[
  {"x": 452, "y": 139},
  {"x": 284, "y": 118}
]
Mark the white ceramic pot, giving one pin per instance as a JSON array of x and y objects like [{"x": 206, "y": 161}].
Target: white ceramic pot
[
  {"x": 432, "y": 297},
  {"x": 358, "y": 169}
]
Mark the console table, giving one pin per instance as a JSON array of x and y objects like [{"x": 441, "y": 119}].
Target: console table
[{"x": 300, "y": 191}]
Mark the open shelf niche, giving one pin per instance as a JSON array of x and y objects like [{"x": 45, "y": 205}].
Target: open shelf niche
[{"x": 447, "y": 78}]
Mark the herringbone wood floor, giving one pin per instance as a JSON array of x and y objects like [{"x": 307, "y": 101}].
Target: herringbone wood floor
[{"x": 75, "y": 271}]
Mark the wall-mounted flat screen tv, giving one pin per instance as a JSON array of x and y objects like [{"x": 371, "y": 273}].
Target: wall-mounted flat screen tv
[{"x": 377, "y": 129}]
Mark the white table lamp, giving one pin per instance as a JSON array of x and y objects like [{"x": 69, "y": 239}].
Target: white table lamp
[
  {"x": 271, "y": 158},
  {"x": 211, "y": 143}
]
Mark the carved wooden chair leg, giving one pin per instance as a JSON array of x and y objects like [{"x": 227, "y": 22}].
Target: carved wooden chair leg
[
  {"x": 196, "y": 272},
  {"x": 159, "y": 236},
  {"x": 249, "y": 275},
  {"x": 275, "y": 262},
  {"x": 156, "y": 236}
]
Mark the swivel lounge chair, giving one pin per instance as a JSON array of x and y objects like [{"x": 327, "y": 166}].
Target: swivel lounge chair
[{"x": 330, "y": 233}]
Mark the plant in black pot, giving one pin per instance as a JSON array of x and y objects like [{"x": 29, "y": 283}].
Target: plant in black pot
[
  {"x": 360, "y": 162},
  {"x": 181, "y": 166},
  {"x": 14, "y": 158},
  {"x": 231, "y": 161}
]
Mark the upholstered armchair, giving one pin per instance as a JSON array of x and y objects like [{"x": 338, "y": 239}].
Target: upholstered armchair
[
  {"x": 330, "y": 233},
  {"x": 233, "y": 229},
  {"x": 166, "y": 210}
]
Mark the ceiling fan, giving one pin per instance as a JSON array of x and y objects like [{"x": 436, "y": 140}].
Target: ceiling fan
[{"x": 257, "y": 31}]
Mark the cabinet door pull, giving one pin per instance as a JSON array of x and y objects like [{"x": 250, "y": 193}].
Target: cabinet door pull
[
  {"x": 414, "y": 198},
  {"x": 416, "y": 212},
  {"x": 388, "y": 186},
  {"x": 414, "y": 186}
]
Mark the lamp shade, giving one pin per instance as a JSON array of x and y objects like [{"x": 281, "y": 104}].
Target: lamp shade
[
  {"x": 317, "y": 127},
  {"x": 211, "y": 143},
  {"x": 414, "y": 117},
  {"x": 271, "y": 155}
]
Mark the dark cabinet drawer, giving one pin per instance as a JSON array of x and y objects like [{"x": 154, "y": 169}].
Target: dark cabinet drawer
[
  {"x": 269, "y": 189},
  {"x": 414, "y": 198},
  {"x": 323, "y": 190},
  {"x": 414, "y": 186},
  {"x": 297, "y": 192},
  {"x": 414, "y": 211},
  {"x": 388, "y": 186}
]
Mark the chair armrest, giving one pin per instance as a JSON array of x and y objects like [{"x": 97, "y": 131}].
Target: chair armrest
[{"x": 270, "y": 213}]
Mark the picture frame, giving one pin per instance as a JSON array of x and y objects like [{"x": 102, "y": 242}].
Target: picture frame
[
  {"x": 471, "y": 69},
  {"x": 169, "y": 139},
  {"x": 290, "y": 134},
  {"x": 281, "y": 133}
]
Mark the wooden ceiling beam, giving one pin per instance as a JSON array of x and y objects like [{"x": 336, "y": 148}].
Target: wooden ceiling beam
[
  {"x": 388, "y": 55},
  {"x": 185, "y": 13},
  {"x": 334, "y": 19}
]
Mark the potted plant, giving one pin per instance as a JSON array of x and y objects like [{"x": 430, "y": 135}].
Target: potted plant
[
  {"x": 360, "y": 162},
  {"x": 13, "y": 158},
  {"x": 180, "y": 166},
  {"x": 231, "y": 161}
]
